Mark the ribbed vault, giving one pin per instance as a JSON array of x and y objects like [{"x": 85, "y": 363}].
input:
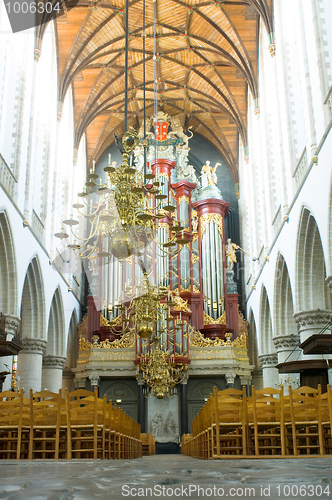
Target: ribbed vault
[{"x": 206, "y": 61}]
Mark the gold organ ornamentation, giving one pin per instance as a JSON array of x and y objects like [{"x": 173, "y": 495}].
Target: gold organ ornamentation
[
  {"x": 216, "y": 218},
  {"x": 219, "y": 321}
]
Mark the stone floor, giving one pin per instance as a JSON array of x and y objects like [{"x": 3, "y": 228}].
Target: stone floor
[{"x": 167, "y": 476}]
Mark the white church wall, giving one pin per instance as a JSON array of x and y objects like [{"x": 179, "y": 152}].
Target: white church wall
[
  {"x": 38, "y": 195},
  {"x": 293, "y": 119}
]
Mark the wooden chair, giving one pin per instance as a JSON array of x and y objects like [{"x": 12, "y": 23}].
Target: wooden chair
[
  {"x": 14, "y": 425},
  {"x": 185, "y": 444},
  {"x": 47, "y": 425},
  {"x": 228, "y": 414},
  {"x": 326, "y": 400},
  {"x": 195, "y": 429},
  {"x": 206, "y": 430},
  {"x": 111, "y": 432},
  {"x": 86, "y": 421},
  {"x": 122, "y": 435},
  {"x": 306, "y": 423},
  {"x": 266, "y": 432}
]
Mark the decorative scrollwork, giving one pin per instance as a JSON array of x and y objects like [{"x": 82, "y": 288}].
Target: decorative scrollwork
[
  {"x": 84, "y": 345},
  {"x": 210, "y": 321},
  {"x": 206, "y": 219},
  {"x": 185, "y": 198},
  {"x": 197, "y": 339},
  {"x": 126, "y": 341}
]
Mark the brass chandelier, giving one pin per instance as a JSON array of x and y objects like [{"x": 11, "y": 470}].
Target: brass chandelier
[
  {"x": 161, "y": 373},
  {"x": 119, "y": 218},
  {"x": 129, "y": 209}
]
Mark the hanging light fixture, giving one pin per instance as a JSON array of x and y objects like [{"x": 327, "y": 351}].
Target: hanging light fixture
[
  {"x": 127, "y": 214},
  {"x": 161, "y": 373},
  {"x": 120, "y": 218}
]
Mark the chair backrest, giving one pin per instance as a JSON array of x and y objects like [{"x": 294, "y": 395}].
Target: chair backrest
[
  {"x": 305, "y": 404},
  {"x": 229, "y": 405},
  {"x": 267, "y": 404},
  {"x": 8, "y": 395},
  {"x": 44, "y": 395},
  {"x": 14, "y": 409},
  {"x": 45, "y": 408},
  {"x": 326, "y": 401},
  {"x": 82, "y": 407}
]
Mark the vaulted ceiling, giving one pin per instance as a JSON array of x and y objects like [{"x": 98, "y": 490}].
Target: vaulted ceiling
[{"x": 206, "y": 60}]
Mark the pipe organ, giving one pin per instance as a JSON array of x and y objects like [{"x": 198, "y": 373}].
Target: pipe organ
[{"x": 197, "y": 317}]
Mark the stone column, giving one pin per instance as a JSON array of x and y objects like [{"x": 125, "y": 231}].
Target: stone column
[
  {"x": 184, "y": 407},
  {"x": 270, "y": 372},
  {"x": 287, "y": 350},
  {"x": 10, "y": 327},
  {"x": 80, "y": 383},
  {"x": 257, "y": 377},
  {"x": 29, "y": 364},
  {"x": 141, "y": 405},
  {"x": 68, "y": 381},
  {"x": 52, "y": 372},
  {"x": 12, "y": 324},
  {"x": 94, "y": 380},
  {"x": 230, "y": 379},
  {"x": 329, "y": 282},
  {"x": 310, "y": 323},
  {"x": 246, "y": 380}
]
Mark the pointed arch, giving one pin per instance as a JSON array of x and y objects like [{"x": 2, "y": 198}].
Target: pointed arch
[
  {"x": 56, "y": 327},
  {"x": 253, "y": 340},
  {"x": 265, "y": 325},
  {"x": 311, "y": 290},
  {"x": 284, "y": 321},
  {"x": 33, "y": 303},
  {"x": 72, "y": 343},
  {"x": 8, "y": 270},
  {"x": 257, "y": 374}
]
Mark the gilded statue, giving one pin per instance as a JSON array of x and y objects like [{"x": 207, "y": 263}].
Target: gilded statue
[
  {"x": 180, "y": 304},
  {"x": 231, "y": 249},
  {"x": 208, "y": 174}
]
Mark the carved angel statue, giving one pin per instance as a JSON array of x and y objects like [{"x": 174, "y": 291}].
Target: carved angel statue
[
  {"x": 208, "y": 174},
  {"x": 231, "y": 248}
]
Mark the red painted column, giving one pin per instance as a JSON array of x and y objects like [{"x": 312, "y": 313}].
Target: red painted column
[
  {"x": 163, "y": 165},
  {"x": 231, "y": 303},
  {"x": 93, "y": 317},
  {"x": 183, "y": 316},
  {"x": 220, "y": 207},
  {"x": 184, "y": 189}
]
